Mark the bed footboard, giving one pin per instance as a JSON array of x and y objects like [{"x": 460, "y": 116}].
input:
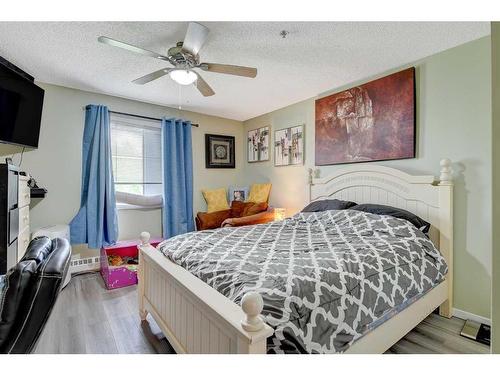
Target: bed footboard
[{"x": 194, "y": 317}]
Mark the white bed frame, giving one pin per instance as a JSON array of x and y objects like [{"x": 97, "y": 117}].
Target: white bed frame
[{"x": 195, "y": 318}]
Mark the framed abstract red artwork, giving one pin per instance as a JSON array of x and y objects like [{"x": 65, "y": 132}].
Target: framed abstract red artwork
[{"x": 371, "y": 122}]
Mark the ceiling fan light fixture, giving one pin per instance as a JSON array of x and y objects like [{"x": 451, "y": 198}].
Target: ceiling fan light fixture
[
  {"x": 184, "y": 58},
  {"x": 183, "y": 76}
]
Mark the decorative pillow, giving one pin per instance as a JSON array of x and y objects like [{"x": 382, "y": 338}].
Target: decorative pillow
[
  {"x": 216, "y": 199},
  {"x": 328, "y": 204},
  {"x": 237, "y": 208},
  {"x": 253, "y": 208},
  {"x": 259, "y": 193},
  {"x": 238, "y": 194},
  {"x": 211, "y": 220},
  {"x": 241, "y": 209},
  {"x": 399, "y": 213}
]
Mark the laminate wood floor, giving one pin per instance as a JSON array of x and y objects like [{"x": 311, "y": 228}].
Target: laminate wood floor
[{"x": 88, "y": 318}]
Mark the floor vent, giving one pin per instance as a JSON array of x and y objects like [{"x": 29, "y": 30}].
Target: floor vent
[
  {"x": 477, "y": 331},
  {"x": 84, "y": 264}
]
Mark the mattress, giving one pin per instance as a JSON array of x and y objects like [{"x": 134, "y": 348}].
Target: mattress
[{"x": 327, "y": 278}]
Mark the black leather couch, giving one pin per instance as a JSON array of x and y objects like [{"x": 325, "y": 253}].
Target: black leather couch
[{"x": 30, "y": 292}]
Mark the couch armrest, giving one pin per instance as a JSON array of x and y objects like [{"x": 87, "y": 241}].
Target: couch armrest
[{"x": 260, "y": 218}]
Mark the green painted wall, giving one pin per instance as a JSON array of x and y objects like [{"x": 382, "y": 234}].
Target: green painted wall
[
  {"x": 56, "y": 164},
  {"x": 453, "y": 120},
  {"x": 495, "y": 79}
]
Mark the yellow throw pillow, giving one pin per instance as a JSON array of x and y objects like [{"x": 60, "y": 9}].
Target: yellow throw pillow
[
  {"x": 216, "y": 199},
  {"x": 259, "y": 193}
]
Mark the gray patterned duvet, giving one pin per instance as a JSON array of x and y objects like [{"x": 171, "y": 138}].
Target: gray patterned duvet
[{"x": 326, "y": 278}]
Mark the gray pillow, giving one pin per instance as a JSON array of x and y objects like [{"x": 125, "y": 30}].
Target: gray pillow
[
  {"x": 399, "y": 213},
  {"x": 328, "y": 204}
]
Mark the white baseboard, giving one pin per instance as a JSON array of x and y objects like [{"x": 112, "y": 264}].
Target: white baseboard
[{"x": 467, "y": 315}]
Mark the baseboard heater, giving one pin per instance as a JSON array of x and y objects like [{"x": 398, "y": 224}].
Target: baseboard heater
[{"x": 89, "y": 264}]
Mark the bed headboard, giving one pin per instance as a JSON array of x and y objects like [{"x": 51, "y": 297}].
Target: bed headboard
[{"x": 425, "y": 196}]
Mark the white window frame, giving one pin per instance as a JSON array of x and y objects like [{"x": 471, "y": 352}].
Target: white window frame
[{"x": 139, "y": 123}]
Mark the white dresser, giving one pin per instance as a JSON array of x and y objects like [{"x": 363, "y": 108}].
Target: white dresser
[{"x": 23, "y": 239}]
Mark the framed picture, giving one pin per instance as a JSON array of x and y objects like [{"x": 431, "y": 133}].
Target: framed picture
[
  {"x": 258, "y": 144},
  {"x": 371, "y": 122},
  {"x": 289, "y": 146},
  {"x": 219, "y": 151},
  {"x": 238, "y": 194}
]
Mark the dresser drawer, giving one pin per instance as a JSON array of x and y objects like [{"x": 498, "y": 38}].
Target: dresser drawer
[
  {"x": 24, "y": 218},
  {"x": 22, "y": 243},
  {"x": 24, "y": 192}
]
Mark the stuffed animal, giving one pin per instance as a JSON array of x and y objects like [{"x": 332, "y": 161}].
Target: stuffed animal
[{"x": 115, "y": 260}]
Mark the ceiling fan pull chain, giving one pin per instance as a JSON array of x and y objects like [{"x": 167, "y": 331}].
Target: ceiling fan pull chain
[{"x": 180, "y": 97}]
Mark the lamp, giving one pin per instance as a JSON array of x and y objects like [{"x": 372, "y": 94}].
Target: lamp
[
  {"x": 279, "y": 214},
  {"x": 183, "y": 76}
]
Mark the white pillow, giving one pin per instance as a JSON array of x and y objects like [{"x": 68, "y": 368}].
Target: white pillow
[{"x": 146, "y": 201}]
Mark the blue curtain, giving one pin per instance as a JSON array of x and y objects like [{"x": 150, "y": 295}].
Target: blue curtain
[
  {"x": 177, "y": 177},
  {"x": 97, "y": 221}
]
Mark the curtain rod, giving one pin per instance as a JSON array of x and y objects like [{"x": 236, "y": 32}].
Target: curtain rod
[{"x": 144, "y": 117}]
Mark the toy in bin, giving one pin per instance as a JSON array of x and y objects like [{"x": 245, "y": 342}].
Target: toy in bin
[{"x": 119, "y": 263}]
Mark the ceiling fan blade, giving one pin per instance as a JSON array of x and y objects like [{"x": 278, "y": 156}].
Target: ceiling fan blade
[
  {"x": 151, "y": 76},
  {"x": 131, "y": 48},
  {"x": 236, "y": 70},
  {"x": 195, "y": 38},
  {"x": 203, "y": 86}
]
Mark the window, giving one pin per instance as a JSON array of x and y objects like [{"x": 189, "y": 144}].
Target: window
[{"x": 136, "y": 154}]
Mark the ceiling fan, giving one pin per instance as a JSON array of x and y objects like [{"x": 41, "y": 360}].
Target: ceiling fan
[{"x": 184, "y": 58}]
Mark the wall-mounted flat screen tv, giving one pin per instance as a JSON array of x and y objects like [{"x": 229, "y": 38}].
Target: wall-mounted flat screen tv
[{"x": 21, "y": 103}]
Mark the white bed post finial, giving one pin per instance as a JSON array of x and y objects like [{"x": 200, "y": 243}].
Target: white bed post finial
[
  {"x": 445, "y": 176},
  {"x": 145, "y": 236},
  {"x": 252, "y": 305}
]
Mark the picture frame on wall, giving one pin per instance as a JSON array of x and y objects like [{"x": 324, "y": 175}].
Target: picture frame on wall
[
  {"x": 219, "y": 151},
  {"x": 370, "y": 122},
  {"x": 258, "y": 144},
  {"x": 289, "y": 146}
]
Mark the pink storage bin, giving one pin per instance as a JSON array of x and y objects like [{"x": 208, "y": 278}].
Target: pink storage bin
[{"x": 125, "y": 274}]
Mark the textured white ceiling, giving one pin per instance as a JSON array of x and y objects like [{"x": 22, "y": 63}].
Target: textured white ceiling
[{"x": 314, "y": 58}]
